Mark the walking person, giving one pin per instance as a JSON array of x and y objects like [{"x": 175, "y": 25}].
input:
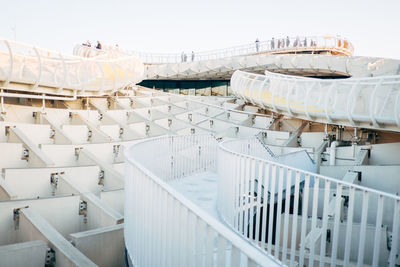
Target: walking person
[
  {"x": 192, "y": 56},
  {"x": 287, "y": 41},
  {"x": 257, "y": 45},
  {"x": 272, "y": 43},
  {"x": 98, "y": 46}
]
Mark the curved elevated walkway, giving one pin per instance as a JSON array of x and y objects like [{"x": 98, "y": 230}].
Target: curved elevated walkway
[
  {"x": 34, "y": 70},
  {"x": 318, "y": 56},
  {"x": 287, "y": 215},
  {"x": 358, "y": 102}
]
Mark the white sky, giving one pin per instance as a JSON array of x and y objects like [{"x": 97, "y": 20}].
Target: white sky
[{"x": 176, "y": 25}]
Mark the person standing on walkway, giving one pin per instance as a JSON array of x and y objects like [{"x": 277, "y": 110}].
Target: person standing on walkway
[
  {"x": 192, "y": 56},
  {"x": 257, "y": 45},
  {"x": 272, "y": 43},
  {"x": 287, "y": 41},
  {"x": 98, "y": 46}
]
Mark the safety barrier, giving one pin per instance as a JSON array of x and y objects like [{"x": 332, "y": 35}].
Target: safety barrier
[
  {"x": 304, "y": 44},
  {"x": 304, "y": 218},
  {"x": 27, "y": 68},
  {"x": 164, "y": 228},
  {"x": 372, "y": 102}
]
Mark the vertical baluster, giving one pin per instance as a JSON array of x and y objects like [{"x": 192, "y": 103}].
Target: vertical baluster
[
  {"x": 235, "y": 257},
  {"x": 314, "y": 219},
  {"x": 394, "y": 252},
  {"x": 286, "y": 222},
  {"x": 221, "y": 254},
  {"x": 378, "y": 231},
  {"x": 324, "y": 223},
  {"x": 242, "y": 191},
  {"x": 304, "y": 218},
  {"x": 295, "y": 215},
  {"x": 237, "y": 192},
  {"x": 265, "y": 204},
  {"x": 246, "y": 197},
  {"x": 150, "y": 221},
  {"x": 177, "y": 231},
  {"x": 209, "y": 246},
  {"x": 271, "y": 209},
  {"x": 349, "y": 227},
  {"x": 338, "y": 207},
  {"x": 170, "y": 237},
  {"x": 278, "y": 213},
  {"x": 251, "y": 202},
  {"x": 259, "y": 197},
  {"x": 199, "y": 247},
  {"x": 191, "y": 242},
  {"x": 364, "y": 216}
]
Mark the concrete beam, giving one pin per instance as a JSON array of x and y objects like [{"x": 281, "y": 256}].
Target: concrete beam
[
  {"x": 5, "y": 191},
  {"x": 59, "y": 136},
  {"x": 97, "y": 134},
  {"x": 292, "y": 141},
  {"x": 37, "y": 158},
  {"x": 34, "y": 226},
  {"x": 127, "y": 130},
  {"x": 104, "y": 246}
]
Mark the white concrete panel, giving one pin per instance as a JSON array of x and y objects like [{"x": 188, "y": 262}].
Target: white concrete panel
[
  {"x": 104, "y": 246},
  {"x": 11, "y": 156},
  {"x": 31, "y": 253},
  {"x": 115, "y": 199}
]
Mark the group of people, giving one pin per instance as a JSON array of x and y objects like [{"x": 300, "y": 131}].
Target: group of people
[
  {"x": 184, "y": 57},
  {"x": 88, "y": 44},
  {"x": 285, "y": 43}
]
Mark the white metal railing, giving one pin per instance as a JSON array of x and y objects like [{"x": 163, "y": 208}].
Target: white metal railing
[
  {"x": 304, "y": 218},
  {"x": 335, "y": 44},
  {"x": 164, "y": 228},
  {"x": 372, "y": 102},
  {"x": 46, "y": 71}
]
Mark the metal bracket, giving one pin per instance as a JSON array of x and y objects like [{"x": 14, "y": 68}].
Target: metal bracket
[
  {"x": 77, "y": 152},
  {"x": 7, "y": 130},
  {"x": 25, "y": 155},
  {"x": 116, "y": 149},
  {"x": 54, "y": 181},
  {"x": 89, "y": 137},
  {"x": 16, "y": 217},
  {"x": 83, "y": 208},
  {"x": 101, "y": 178},
  {"x": 50, "y": 258},
  {"x": 52, "y": 133}
]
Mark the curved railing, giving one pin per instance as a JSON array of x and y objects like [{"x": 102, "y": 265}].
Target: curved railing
[
  {"x": 295, "y": 215},
  {"x": 359, "y": 102},
  {"x": 164, "y": 228},
  {"x": 30, "y": 69},
  {"x": 304, "y": 44}
]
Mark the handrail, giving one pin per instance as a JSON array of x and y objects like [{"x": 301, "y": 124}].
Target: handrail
[
  {"x": 256, "y": 186},
  {"x": 37, "y": 70},
  {"x": 277, "y": 89},
  {"x": 178, "y": 227},
  {"x": 297, "y": 44}
]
